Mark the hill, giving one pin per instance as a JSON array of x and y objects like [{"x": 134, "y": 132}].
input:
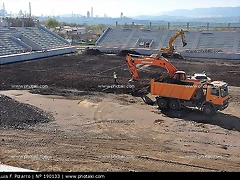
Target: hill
[
  {"x": 206, "y": 12},
  {"x": 223, "y": 14}
]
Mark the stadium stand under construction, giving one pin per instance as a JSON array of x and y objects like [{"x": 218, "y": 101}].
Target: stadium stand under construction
[
  {"x": 25, "y": 43},
  {"x": 203, "y": 44}
]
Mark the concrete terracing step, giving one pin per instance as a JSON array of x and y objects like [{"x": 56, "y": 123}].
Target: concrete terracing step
[
  {"x": 236, "y": 42},
  {"x": 106, "y": 37},
  {"x": 163, "y": 39},
  {"x": 129, "y": 38},
  {"x": 196, "y": 40}
]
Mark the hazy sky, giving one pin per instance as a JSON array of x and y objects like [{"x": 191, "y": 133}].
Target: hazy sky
[{"x": 111, "y": 8}]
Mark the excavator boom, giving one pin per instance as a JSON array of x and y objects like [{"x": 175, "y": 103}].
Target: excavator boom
[
  {"x": 170, "y": 50},
  {"x": 133, "y": 60},
  {"x": 153, "y": 60},
  {"x": 181, "y": 32}
]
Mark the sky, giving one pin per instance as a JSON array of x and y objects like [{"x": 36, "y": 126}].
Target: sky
[{"x": 111, "y": 8}]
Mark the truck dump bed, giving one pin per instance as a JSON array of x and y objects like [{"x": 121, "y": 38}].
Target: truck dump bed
[{"x": 184, "y": 92}]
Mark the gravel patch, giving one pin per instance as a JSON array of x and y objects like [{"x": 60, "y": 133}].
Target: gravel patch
[{"x": 14, "y": 114}]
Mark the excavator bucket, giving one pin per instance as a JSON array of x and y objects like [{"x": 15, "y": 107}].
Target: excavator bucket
[
  {"x": 184, "y": 44},
  {"x": 148, "y": 99},
  {"x": 177, "y": 56},
  {"x": 165, "y": 55}
]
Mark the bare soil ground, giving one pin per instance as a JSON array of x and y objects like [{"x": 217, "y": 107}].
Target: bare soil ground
[{"x": 74, "y": 125}]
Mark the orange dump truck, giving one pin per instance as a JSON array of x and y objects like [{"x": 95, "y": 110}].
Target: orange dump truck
[
  {"x": 194, "y": 91},
  {"x": 209, "y": 97}
]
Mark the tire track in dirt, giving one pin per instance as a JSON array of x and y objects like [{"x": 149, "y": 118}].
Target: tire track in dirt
[
  {"x": 123, "y": 163},
  {"x": 100, "y": 111},
  {"x": 103, "y": 146},
  {"x": 176, "y": 163}
]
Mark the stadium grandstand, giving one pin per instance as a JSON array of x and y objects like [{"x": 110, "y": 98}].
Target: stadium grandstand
[
  {"x": 203, "y": 44},
  {"x": 26, "y": 43}
]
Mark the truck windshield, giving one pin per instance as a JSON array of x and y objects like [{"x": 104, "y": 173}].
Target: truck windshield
[{"x": 224, "y": 90}]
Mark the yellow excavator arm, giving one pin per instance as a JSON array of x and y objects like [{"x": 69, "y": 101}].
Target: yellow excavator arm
[
  {"x": 174, "y": 37},
  {"x": 170, "y": 49}
]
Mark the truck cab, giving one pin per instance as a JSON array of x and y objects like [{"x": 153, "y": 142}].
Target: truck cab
[{"x": 216, "y": 97}]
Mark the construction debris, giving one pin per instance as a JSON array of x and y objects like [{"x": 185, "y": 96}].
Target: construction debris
[
  {"x": 125, "y": 52},
  {"x": 18, "y": 115},
  {"x": 89, "y": 51}
]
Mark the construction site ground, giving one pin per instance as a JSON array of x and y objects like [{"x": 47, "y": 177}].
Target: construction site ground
[{"x": 74, "y": 120}]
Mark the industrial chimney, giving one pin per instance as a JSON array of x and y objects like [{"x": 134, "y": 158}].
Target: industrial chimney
[
  {"x": 4, "y": 11},
  {"x": 91, "y": 11},
  {"x": 30, "y": 9},
  {"x": 169, "y": 25}
]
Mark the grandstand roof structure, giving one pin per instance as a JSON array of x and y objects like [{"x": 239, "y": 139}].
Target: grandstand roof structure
[{"x": 200, "y": 43}]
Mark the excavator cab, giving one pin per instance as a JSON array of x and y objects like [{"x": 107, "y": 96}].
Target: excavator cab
[{"x": 180, "y": 75}]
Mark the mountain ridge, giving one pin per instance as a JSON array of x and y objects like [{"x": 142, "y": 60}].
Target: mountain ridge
[{"x": 195, "y": 13}]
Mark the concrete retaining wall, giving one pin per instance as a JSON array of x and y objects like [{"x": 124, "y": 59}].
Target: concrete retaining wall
[
  {"x": 35, "y": 55},
  {"x": 212, "y": 55},
  {"x": 103, "y": 35},
  {"x": 221, "y": 55}
]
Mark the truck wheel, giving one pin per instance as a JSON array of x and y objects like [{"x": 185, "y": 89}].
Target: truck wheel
[
  {"x": 209, "y": 110},
  {"x": 162, "y": 103},
  {"x": 174, "y": 104}
]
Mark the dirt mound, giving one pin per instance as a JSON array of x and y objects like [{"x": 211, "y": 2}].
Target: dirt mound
[
  {"x": 18, "y": 115},
  {"x": 95, "y": 73},
  {"x": 125, "y": 52},
  {"x": 89, "y": 51}
]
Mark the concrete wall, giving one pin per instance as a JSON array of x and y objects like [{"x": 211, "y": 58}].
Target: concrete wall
[
  {"x": 109, "y": 50},
  {"x": 55, "y": 35},
  {"x": 21, "y": 43},
  {"x": 101, "y": 38},
  {"x": 184, "y": 54},
  {"x": 35, "y": 46},
  {"x": 212, "y": 55},
  {"x": 35, "y": 55}
]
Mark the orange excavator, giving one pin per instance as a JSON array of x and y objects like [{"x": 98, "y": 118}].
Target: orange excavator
[{"x": 178, "y": 90}]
